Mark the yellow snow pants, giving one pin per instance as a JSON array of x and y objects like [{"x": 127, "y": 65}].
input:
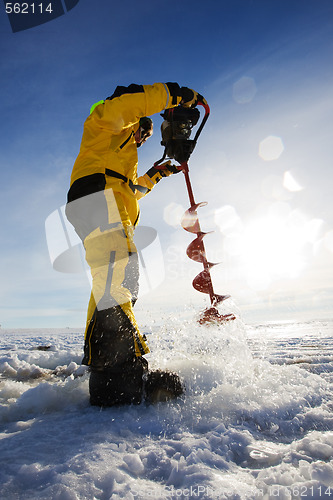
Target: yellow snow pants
[{"x": 112, "y": 336}]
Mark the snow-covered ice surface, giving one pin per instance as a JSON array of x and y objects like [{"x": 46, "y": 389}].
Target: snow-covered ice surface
[{"x": 256, "y": 421}]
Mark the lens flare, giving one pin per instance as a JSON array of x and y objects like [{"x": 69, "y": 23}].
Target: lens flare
[
  {"x": 271, "y": 148},
  {"x": 290, "y": 183},
  {"x": 244, "y": 90}
]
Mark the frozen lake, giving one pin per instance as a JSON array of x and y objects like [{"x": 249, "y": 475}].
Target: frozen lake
[{"x": 256, "y": 421}]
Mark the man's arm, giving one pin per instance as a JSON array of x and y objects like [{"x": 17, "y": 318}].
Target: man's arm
[
  {"x": 127, "y": 105},
  {"x": 154, "y": 175}
]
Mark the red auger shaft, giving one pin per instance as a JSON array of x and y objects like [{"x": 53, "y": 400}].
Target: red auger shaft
[{"x": 198, "y": 232}]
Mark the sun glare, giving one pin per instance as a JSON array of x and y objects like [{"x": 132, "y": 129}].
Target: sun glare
[
  {"x": 275, "y": 246},
  {"x": 273, "y": 249}
]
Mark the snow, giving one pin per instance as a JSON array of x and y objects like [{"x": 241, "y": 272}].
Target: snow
[{"x": 256, "y": 421}]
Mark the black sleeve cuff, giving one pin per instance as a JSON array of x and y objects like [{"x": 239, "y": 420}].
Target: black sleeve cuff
[{"x": 174, "y": 90}]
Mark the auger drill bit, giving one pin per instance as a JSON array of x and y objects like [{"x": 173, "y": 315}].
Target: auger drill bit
[{"x": 196, "y": 251}]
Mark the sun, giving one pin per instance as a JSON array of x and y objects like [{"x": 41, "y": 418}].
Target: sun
[
  {"x": 270, "y": 247},
  {"x": 273, "y": 248}
]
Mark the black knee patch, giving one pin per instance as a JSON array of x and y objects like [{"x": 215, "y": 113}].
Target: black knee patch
[{"x": 109, "y": 340}]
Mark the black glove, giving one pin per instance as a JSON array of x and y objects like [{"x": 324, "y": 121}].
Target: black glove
[{"x": 190, "y": 98}]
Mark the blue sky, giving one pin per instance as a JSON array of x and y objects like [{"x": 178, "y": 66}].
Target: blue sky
[{"x": 263, "y": 162}]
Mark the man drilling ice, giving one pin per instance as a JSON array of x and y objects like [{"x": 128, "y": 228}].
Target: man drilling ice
[{"x": 103, "y": 208}]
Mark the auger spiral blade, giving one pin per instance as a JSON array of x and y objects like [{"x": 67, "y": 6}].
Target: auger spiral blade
[
  {"x": 217, "y": 299},
  {"x": 203, "y": 281},
  {"x": 190, "y": 221},
  {"x": 212, "y": 315},
  {"x": 196, "y": 249}
]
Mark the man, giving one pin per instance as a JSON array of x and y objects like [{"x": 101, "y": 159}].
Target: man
[{"x": 103, "y": 208}]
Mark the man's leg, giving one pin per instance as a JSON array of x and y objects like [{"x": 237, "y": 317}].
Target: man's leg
[{"x": 113, "y": 343}]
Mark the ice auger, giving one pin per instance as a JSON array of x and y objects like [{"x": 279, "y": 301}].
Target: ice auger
[{"x": 176, "y": 130}]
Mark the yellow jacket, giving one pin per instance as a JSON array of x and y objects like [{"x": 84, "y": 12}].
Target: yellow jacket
[{"x": 108, "y": 138}]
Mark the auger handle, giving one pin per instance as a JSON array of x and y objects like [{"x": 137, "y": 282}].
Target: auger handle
[{"x": 205, "y": 118}]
